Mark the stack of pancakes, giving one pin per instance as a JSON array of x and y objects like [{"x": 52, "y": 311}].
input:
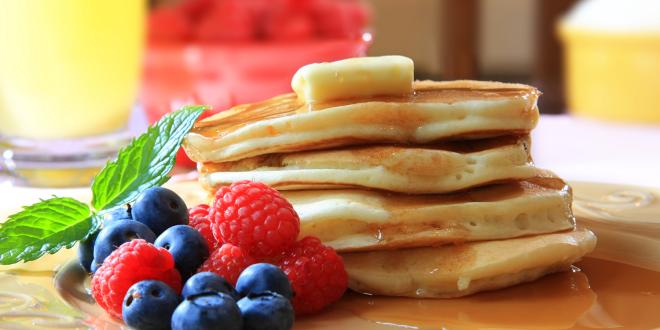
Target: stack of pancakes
[{"x": 431, "y": 194}]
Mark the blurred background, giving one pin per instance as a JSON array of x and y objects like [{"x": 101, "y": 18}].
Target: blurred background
[
  {"x": 506, "y": 40},
  {"x": 79, "y": 78}
]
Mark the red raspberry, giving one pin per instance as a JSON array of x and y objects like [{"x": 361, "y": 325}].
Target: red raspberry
[
  {"x": 132, "y": 262},
  {"x": 199, "y": 219},
  {"x": 195, "y": 8},
  {"x": 228, "y": 261},
  {"x": 288, "y": 20},
  {"x": 289, "y": 26},
  {"x": 316, "y": 273},
  {"x": 255, "y": 217},
  {"x": 169, "y": 25},
  {"x": 341, "y": 19},
  {"x": 228, "y": 20}
]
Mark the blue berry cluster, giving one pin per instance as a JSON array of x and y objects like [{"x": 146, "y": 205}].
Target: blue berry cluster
[
  {"x": 155, "y": 212},
  {"x": 260, "y": 301}
]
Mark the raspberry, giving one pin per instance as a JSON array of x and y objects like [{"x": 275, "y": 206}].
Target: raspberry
[
  {"x": 228, "y": 261},
  {"x": 255, "y": 217},
  {"x": 182, "y": 159},
  {"x": 168, "y": 24},
  {"x": 194, "y": 9},
  {"x": 341, "y": 19},
  {"x": 290, "y": 22},
  {"x": 199, "y": 219},
  {"x": 316, "y": 273},
  {"x": 132, "y": 262},
  {"x": 228, "y": 20}
]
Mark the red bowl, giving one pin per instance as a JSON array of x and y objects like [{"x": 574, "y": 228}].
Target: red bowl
[{"x": 223, "y": 75}]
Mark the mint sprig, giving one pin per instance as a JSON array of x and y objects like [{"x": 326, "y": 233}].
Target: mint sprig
[
  {"x": 145, "y": 162},
  {"x": 49, "y": 225},
  {"x": 44, "y": 227}
]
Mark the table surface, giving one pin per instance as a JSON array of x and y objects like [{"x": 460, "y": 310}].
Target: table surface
[{"x": 580, "y": 149}]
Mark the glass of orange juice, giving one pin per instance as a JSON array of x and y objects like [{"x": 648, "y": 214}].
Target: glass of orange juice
[{"x": 69, "y": 73}]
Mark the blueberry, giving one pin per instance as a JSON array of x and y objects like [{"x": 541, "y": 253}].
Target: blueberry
[
  {"x": 160, "y": 208},
  {"x": 208, "y": 282},
  {"x": 263, "y": 277},
  {"x": 149, "y": 305},
  {"x": 266, "y": 311},
  {"x": 86, "y": 252},
  {"x": 209, "y": 310},
  {"x": 187, "y": 246},
  {"x": 118, "y": 213},
  {"x": 115, "y": 234}
]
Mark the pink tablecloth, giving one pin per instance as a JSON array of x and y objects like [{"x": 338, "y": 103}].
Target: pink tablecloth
[{"x": 589, "y": 150}]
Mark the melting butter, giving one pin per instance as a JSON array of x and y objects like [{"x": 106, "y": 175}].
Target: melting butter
[{"x": 354, "y": 77}]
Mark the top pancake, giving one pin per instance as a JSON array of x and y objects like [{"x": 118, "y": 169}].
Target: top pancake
[{"x": 436, "y": 111}]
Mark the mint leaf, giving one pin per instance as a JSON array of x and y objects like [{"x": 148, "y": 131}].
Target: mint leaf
[
  {"x": 51, "y": 224},
  {"x": 44, "y": 227},
  {"x": 145, "y": 162}
]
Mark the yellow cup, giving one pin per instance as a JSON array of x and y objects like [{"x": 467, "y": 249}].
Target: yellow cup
[{"x": 612, "y": 75}]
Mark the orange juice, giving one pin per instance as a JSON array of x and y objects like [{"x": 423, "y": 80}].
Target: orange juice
[{"x": 68, "y": 68}]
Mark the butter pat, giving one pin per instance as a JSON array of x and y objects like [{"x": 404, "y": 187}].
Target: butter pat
[{"x": 354, "y": 77}]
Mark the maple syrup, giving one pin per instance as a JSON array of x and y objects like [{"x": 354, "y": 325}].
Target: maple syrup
[{"x": 595, "y": 294}]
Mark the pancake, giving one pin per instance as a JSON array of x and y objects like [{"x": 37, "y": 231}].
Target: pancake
[
  {"x": 435, "y": 111},
  {"x": 354, "y": 220},
  {"x": 459, "y": 270},
  {"x": 430, "y": 169}
]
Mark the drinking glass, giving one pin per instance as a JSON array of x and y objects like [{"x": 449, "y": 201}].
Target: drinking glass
[{"x": 69, "y": 74}]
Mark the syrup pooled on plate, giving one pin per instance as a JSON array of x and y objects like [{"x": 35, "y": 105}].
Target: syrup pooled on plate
[{"x": 595, "y": 294}]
